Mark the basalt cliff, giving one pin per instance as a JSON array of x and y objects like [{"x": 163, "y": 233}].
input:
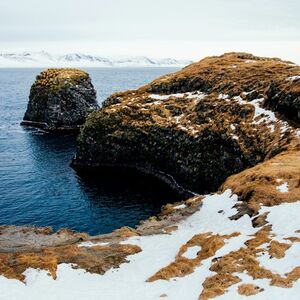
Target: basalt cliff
[
  {"x": 224, "y": 130},
  {"x": 200, "y": 125}
]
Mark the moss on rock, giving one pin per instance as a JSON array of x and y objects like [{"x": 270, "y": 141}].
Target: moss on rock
[
  {"x": 60, "y": 99},
  {"x": 214, "y": 125}
]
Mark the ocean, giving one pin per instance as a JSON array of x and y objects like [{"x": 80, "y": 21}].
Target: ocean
[{"x": 37, "y": 185}]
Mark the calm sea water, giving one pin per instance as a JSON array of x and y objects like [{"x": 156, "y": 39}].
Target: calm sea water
[{"x": 37, "y": 185}]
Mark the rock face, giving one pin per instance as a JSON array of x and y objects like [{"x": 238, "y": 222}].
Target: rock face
[
  {"x": 197, "y": 126},
  {"x": 285, "y": 97},
  {"x": 23, "y": 247},
  {"x": 60, "y": 99}
]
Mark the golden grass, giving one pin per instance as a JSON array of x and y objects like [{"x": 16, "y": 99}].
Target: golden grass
[
  {"x": 54, "y": 79},
  {"x": 257, "y": 185},
  {"x": 183, "y": 266},
  {"x": 277, "y": 249},
  {"x": 248, "y": 289},
  {"x": 216, "y": 285},
  {"x": 95, "y": 259},
  {"x": 231, "y": 73},
  {"x": 245, "y": 260}
]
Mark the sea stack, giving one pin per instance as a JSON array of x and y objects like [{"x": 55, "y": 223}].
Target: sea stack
[{"x": 60, "y": 100}]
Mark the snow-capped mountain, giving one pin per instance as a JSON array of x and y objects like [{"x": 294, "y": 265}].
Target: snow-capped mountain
[{"x": 46, "y": 59}]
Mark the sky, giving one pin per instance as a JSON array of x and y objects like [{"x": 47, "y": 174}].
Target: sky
[{"x": 188, "y": 29}]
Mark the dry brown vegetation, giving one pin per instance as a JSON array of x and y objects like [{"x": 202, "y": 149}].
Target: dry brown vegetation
[
  {"x": 166, "y": 222},
  {"x": 257, "y": 186},
  {"x": 277, "y": 249},
  {"x": 231, "y": 73},
  {"x": 41, "y": 248},
  {"x": 245, "y": 260},
  {"x": 216, "y": 285},
  {"x": 25, "y": 247},
  {"x": 56, "y": 78},
  {"x": 50, "y": 75},
  {"x": 248, "y": 289},
  {"x": 97, "y": 259},
  {"x": 183, "y": 266}
]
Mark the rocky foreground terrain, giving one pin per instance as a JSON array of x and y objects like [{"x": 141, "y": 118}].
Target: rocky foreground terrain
[
  {"x": 225, "y": 129},
  {"x": 60, "y": 100}
]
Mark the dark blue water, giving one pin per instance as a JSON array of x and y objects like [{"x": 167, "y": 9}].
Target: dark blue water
[{"x": 37, "y": 185}]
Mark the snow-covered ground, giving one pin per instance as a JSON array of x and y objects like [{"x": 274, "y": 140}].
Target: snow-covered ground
[
  {"x": 46, "y": 59},
  {"x": 130, "y": 280}
]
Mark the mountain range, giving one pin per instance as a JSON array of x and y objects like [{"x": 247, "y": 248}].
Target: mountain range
[{"x": 46, "y": 59}]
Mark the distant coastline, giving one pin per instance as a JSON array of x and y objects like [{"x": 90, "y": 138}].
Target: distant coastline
[{"x": 44, "y": 59}]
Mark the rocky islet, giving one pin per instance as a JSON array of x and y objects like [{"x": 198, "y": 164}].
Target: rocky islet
[{"x": 60, "y": 100}]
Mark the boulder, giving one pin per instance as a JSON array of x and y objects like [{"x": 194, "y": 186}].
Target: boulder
[{"x": 60, "y": 99}]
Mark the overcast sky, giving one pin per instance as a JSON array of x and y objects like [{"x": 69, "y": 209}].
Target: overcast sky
[{"x": 158, "y": 28}]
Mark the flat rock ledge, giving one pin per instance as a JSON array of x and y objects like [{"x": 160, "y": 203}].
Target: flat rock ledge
[{"x": 60, "y": 100}]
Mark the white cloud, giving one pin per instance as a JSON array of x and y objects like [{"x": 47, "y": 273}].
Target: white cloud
[{"x": 181, "y": 29}]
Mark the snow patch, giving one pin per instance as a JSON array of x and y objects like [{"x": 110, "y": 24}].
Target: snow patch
[
  {"x": 46, "y": 59},
  {"x": 223, "y": 96},
  {"x": 165, "y": 97},
  {"x": 181, "y": 206},
  {"x": 283, "y": 188},
  {"x": 262, "y": 115},
  {"x": 191, "y": 252},
  {"x": 92, "y": 244},
  {"x": 293, "y": 78},
  {"x": 282, "y": 265},
  {"x": 189, "y": 95},
  {"x": 284, "y": 218},
  {"x": 129, "y": 280}
]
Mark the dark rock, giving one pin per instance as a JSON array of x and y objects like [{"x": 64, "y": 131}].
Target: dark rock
[
  {"x": 284, "y": 97},
  {"x": 60, "y": 99}
]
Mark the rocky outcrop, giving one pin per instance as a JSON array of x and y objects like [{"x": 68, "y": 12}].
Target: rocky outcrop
[
  {"x": 197, "y": 126},
  {"x": 41, "y": 248},
  {"x": 23, "y": 247},
  {"x": 60, "y": 99}
]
